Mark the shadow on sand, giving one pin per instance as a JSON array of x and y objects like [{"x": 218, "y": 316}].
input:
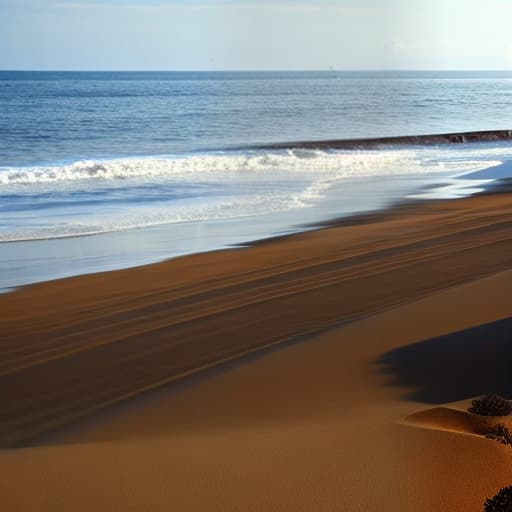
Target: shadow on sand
[{"x": 456, "y": 366}]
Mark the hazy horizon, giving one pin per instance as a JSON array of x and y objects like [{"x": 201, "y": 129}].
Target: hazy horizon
[{"x": 297, "y": 70}]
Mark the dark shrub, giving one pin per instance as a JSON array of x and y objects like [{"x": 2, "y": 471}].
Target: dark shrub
[
  {"x": 500, "y": 433},
  {"x": 490, "y": 405},
  {"x": 502, "y": 502}
]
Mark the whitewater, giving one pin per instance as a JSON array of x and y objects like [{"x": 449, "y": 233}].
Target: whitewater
[{"x": 95, "y": 196}]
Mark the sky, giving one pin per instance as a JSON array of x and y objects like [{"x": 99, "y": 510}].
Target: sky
[{"x": 255, "y": 34}]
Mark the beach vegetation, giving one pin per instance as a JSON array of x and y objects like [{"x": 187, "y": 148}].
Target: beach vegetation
[
  {"x": 500, "y": 433},
  {"x": 502, "y": 502},
  {"x": 490, "y": 405}
]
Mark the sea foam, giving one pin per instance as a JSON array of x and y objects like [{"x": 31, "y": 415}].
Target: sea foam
[{"x": 215, "y": 166}]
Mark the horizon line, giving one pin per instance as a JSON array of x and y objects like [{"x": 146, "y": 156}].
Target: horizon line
[{"x": 262, "y": 70}]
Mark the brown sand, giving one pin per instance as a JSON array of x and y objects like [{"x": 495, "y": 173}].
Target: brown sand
[{"x": 314, "y": 425}]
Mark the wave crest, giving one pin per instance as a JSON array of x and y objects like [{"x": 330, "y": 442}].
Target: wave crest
[{"x": 218, "y": 165}]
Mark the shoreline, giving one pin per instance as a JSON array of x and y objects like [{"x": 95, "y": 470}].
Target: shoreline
[
  {"x": 85, "y": 255},
  {"x": 501, "y": 183},
  {"x": 41, "y": 260},
  {"x": 28, "y": 261}
]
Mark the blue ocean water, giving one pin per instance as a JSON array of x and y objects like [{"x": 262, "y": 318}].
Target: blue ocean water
[
  {"x": 54, "y": 117},
  {"x": 86, "y": 153}
]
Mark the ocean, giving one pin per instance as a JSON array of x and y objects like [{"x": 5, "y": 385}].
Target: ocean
[{"x": 103, "y": 170}]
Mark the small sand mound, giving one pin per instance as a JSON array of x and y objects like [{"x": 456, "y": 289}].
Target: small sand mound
[{"x": 454, "y": 420}]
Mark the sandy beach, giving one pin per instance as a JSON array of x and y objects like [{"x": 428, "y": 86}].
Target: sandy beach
[{"x": 323, "y": 371}]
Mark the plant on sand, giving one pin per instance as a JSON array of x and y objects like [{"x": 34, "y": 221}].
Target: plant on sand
[
  {"x": 490, "y": 405},
  {"x": 500, "y": 433},
  {"x": 502, "y": 502}
]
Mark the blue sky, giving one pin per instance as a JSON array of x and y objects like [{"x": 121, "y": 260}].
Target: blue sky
[{"x": 255, "y": 34}]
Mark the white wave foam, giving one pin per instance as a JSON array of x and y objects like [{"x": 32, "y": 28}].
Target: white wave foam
[
  {"x": 218, "y": 165},
  {"x": 146, "y": 216}
]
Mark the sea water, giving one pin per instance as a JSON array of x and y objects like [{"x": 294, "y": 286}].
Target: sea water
[{"x": 108, "y": 170}]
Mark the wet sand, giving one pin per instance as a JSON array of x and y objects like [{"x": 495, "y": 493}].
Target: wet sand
[{"x": 347, "y": 333}]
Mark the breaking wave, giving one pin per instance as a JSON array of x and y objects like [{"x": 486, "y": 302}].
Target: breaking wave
[{"x": 337, "y": 164}]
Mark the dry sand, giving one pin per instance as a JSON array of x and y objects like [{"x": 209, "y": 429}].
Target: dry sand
[{"x": 377, "y": 324}]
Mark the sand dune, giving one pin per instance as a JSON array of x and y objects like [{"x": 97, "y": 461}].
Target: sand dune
[
  {"x": 317, "y": 422},
  {"x": 456, "y": 420}
]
